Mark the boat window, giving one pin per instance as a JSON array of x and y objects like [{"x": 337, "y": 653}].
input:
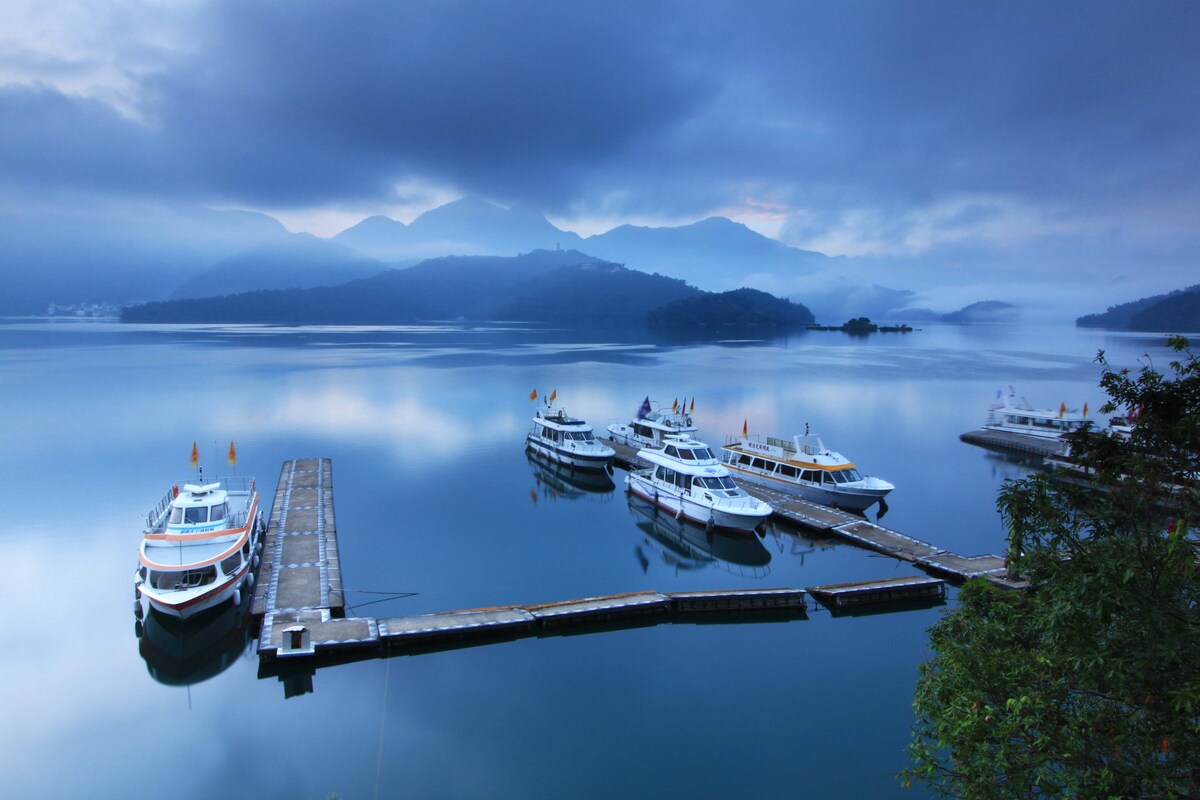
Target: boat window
[
  {"x": 246, "y": 549},
  {"x": 759, "y": 463},
  {"x": 176, "y": 515},
  {"x": 219, "y": 512},
  {"x": 853, "y": 475},
  {"x": 827, "y": 478},
  {"x": 840, "y": 476},
  {"x": 230, "y": 565},
  {"x": 704, "y": 453},
  {"x": 671, "y": 451},
  {"x": 195, "y": 514},
  {"x": 185, "y": 579},
  {"x": 687, "y": 455},
  {"x": 683, "y": 481},
  {"x": 721, "y": 482},
  {"x": 587, "y": 436},
  {"x": 744, "y": 460},
  {"x": 810, "y": 476}
]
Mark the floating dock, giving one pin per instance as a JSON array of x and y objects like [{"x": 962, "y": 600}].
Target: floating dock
[
  {"x": 840, "y": 597},
  {"x": 861, "y": 531},
  {"x": 1009, "y": 442},
  {"x": 299, "y": 598}
]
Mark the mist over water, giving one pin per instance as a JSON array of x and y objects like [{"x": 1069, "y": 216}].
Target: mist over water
[{"x": 434, "y": 495}]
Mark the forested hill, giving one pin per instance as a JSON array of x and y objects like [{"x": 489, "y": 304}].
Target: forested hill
[
  {"x": 1176, "y": 312},
  {"x": 741, "y": 310},
  {"x": 559, "y": 287}
]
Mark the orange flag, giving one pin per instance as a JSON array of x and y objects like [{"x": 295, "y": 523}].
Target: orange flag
[
  {"x": 744, "y": 428},
  {"x": 533, "y": 395},
  {"x": 1062, "y": 409},
  {"x": 675, "y": 404},
  {"x": 1085, "y": 408},
  {"x": 232, "y": 457},
  {"x": 195, "y": 455},
  {"x": 693, "y": 408},
  {"x": 553, "y": 395}
]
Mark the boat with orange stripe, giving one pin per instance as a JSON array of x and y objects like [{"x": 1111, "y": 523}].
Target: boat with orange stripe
[{"x": 200, "y": 547}]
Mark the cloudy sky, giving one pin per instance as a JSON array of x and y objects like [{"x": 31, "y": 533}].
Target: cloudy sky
[{"x": 1028, "y": 138}]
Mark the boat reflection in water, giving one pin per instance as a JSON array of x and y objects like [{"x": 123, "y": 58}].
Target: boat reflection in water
[
  {"x": 558, "y": 481},
  {"x": 687, "y": 546},
  {"x": 183, "y": 652}
]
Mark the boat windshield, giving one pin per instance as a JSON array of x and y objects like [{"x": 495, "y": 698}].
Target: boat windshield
[
  {"x": 581, "y": 436},
  {"x": 198, "y": 514},
  {"x": 721, "y": 482}
]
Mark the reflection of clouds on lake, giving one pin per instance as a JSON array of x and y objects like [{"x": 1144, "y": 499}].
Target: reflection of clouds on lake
[{"x": 421, "y": 430}]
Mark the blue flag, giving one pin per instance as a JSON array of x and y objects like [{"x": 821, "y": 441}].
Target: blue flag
[{"x": 644, "y": 411}]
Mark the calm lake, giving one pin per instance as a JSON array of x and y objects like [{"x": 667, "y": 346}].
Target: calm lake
[{"x": 435, "y": 496}]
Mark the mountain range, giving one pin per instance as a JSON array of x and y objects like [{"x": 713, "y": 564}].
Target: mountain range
[{"x": 560, "y": 287}]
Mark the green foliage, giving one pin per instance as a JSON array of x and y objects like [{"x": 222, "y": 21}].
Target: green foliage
[
  {"x": 746, "y": 311},
  {"x": 1087, "y": 684}
]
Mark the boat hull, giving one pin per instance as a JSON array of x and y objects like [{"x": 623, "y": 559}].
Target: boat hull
[
  {"x": 689, "y": 509},
  {"x": 573, "y": 458},
  {"x": 185, "y": 605},
  {"x": 850, "y": 499}
]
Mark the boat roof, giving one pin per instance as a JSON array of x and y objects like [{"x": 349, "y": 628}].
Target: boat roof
[
  {"x": 559, "y": 418},
  {"x": 207, "y": 495},
  {"x": 665, "y": 419},
  {"x": 805, "y": 450}
]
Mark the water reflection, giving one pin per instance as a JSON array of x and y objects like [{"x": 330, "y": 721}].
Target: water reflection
[
  {"x": 687, "y": 547},
  {"x": 559, "y": 482},
  {"x": 185, "y": 652}
]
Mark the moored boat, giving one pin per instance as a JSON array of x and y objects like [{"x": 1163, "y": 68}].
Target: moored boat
[
  {"x": 648, "y": 428},
  {"x": 563, "y": 439},
  {"x": 1014, "y": 414},
  {"x": 805, "y": 467},
  {"x": 199, "y": 547},
  {"x": 687, "y": 480}
]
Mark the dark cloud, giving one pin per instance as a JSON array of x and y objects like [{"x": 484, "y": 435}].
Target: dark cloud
[{"x": 675, "y": 108}]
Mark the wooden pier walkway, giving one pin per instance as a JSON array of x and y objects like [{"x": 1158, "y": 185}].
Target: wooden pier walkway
[
  {"x": 299, "y": 598},
  {"x": 839, "y": 597},
  {"x": 861, "y": 531},
  {"x": 1007, "y": 441}
]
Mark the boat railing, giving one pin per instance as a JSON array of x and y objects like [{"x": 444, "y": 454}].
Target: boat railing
[
  {"x": 782, "y": 444},
  {"x": 234, "y": 486}
]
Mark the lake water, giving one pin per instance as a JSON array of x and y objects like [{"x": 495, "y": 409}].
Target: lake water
[{"x": 434, "y": 495}]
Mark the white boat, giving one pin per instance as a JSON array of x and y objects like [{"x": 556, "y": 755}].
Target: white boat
[
  {"x": 199, "y": 547},
  {"x": 561, "y": 439},
  {"x": 649, "y": 427},
  {"x": 805, "y": 467},
  {"x": 1013, "y": 414},
  {"x": 687, "y": 480}
]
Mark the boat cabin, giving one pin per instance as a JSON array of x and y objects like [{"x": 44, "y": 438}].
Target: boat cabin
[{"x": 199, "y": 505}]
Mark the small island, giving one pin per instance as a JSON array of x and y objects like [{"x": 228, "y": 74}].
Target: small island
[{"x": 861, "y": 326}]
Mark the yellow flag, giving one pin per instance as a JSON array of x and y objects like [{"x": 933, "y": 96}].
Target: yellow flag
[
  {"x": 232, "y": 457},
  {"x": 195, "y": 455}
]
